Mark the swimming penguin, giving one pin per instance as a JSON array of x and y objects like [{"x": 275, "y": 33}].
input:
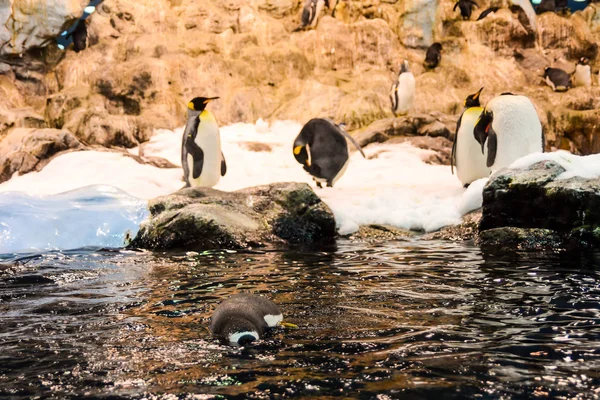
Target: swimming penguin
[
  {"x": 583, "y": 73},
  {"x": 201, "y": 157},
  {"x": 403, "y": 91},
  {"x": 244, "y": 318},
  {"x": 466, "y": 151},
  {"x": 487, "y": 12},
  {"x": 433, "y": 55},
  {"x": 557, "y": 79},
  {"x": 311, "y": 11},
  {"x": 322, "y": 149},
  {"x": 508, "y": 129},
  {"x": 466, "y": 8}
]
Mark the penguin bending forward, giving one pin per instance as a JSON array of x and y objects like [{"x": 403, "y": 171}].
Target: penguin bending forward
[
  {"x": 466, "y": 7},
  {"x": 244, "y": 318},
  {"x": 322, "y": 149},
  {"x": 402, "y": 95},
  {"x": 557, "y": 79},
  {"x": 467, "y": 156},
  {"x": 509, "y": 128},
  {"x": 201, "y": 157}
]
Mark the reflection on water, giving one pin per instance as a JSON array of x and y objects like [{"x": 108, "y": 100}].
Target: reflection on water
[{"x": 410, "y": 319}]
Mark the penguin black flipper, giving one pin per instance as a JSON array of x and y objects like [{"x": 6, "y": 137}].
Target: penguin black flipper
[
  {"x": 223, "y": 165},
  {"x": 487, "y": 12},
  {"x": 454, "y": 144},
  {"x": 492, "y": 145},
  {"x": 198, "y": 156},
  {"x": 456, "y": 5},
  {"x": 350, "y": 138}
]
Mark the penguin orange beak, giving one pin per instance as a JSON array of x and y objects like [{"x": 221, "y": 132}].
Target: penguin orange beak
[
  {"x": 297, "y": 150},
  {"x": 477, "y": 94},
  {"x": 208, "y": 100}
]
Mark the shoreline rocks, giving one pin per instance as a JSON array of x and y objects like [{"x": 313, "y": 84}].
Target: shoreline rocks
[{"x": 261, "y": 216}]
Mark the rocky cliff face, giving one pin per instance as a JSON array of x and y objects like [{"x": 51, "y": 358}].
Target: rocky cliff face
[{"x": 147, "y": 58}]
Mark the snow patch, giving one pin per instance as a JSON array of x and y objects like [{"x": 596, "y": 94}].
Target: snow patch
[{"x": 583, "y": 166}]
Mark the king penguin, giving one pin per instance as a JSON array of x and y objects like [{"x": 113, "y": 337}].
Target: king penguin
[
  {"x": 509, "y": 128},
  {"x": 245, "y": 318},
  {"x": 583, "y": 73},
  {"x": 557, "y": 79},
  {"x": 322, "y": 149},
  {"x": 466, "y": 151},
  {"x": 402, "y": 95},
  {"x": 201, "y": 157}
]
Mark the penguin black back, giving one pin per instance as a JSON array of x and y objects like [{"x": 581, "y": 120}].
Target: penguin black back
[
  {"x": 244, "y": 318},
  {"x": 466, "y": 7},
  {"x": 557, "y": 79},
  {"x": 80, "y": 37},
  {"x": 322, "y": 149},
  {"x": 433, "y": 55}
]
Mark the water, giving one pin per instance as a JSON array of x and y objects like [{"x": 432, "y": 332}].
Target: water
[{"x": 403, "y": 319}]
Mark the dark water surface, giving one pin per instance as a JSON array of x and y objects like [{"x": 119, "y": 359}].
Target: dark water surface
[{"x": 398, "y": 320}]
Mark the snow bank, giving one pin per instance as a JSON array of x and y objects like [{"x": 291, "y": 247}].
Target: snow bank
[{"x": 583, "y": 166}]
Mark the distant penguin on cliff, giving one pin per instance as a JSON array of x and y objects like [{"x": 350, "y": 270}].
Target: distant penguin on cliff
[
  {"x": 508, "y": 128},
  {"x": 310, "y": 13},
  {"x": 245, "y": 318},
  {"x": 466, "y": 7},
  {"x": 487, "y": 12},
  {"x": 433, "y": 56},
  {"x": 402, "y": 95},
  {"x": 201, "y": 157},
  {"x": 526, "y": 14},
  {"x": 583, "y": 73},
  {"x": 557, "y": 79},
  {"x": 467, "y": 156},
  {"x": 80, "y": 37},
  {"x": 322, "y": 149}
]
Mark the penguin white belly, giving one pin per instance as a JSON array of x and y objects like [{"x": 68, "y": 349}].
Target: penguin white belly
[
  {"x": 518, "y": 130},
  {"x": 470, "y": 161},
  {"x": 582, "y": 76},
  {"x": 406, "y": 93},
  {"x": 342, "y": 171},
  {"x": 209, "y": 140}
]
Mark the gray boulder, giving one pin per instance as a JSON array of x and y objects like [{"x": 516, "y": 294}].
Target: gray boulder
[
  {"x": 548, "y": 212},
  {"x": 204, "y": 218}
]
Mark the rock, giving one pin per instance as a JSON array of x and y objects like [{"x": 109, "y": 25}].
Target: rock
[
  {"x": 30, "y": 23},
  {"x": 378, "y": 233},
  {"x": 20, "y": 118},
  {"x": 534, "y": 198},
  {"x": 466, "y": 230},
  {"x": 25, "y": 150},
  {"x": 203, "y": 218},
  {"x": 509, "y": 239}
]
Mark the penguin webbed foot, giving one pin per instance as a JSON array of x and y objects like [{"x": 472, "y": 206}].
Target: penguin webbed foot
[
  {"x": 329, "y": 184},
  {"x": 319, "y": 185}
]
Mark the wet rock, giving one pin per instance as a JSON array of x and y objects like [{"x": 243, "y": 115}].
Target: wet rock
[
  {"x": 203, "y": 218},
  {"x": 378, "y": 233},
  {"x": 466, "y": 230},
  {"x": 509, "y": 239},
  {"x": 25, "y": 150},
  {"x": 534, "y": 198}
]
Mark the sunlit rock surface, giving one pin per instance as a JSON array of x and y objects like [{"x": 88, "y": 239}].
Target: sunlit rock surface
[
  {"x": 534, "y": 208},
  {"x": 202, "y": 219}
]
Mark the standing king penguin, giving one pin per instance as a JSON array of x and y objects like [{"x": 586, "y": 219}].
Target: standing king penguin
[
  {"x": 583, "y": 73},
  {"x": 201, "y": 157},
  {"x": 322, "y": 149},
  {"x": 508, "y": 129},
  {"x": 403, "y": 91},
  {"x": 466, "y": 151}
]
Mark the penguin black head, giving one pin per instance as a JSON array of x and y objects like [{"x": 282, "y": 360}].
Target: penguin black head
[
  {"x": 199, "y": 103},
  {"x": 302, "y": 151},
  {"x": 238, "y": 330},
  {"x": 584, "y": 61},
  {"x": 404, "y": 67},
  {"x": 472, "y": 100},
  {"x": 483, "y": 126}
]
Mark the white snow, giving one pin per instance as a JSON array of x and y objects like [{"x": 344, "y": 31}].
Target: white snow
[
  {"x": 583, "y": 166},
  {"x": 393, "y": 186}
]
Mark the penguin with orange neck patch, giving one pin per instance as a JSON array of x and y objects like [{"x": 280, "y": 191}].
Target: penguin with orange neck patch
[{"x": 201, "y": 157}]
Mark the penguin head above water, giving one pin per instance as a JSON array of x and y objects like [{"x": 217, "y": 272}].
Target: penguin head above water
[
  {"x": 198, "y": 104},
  {"x": 472, "y": 100},
  {"x": 238, "y": 330},
  {"x": 483, "y": 127}
]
